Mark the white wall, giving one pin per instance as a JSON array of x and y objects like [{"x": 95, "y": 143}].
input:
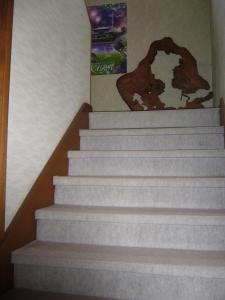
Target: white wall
[
  {"x": 218, "y": 33},
  {"x": 50, "y": 79},
  {"x": 186, "y": 21}
]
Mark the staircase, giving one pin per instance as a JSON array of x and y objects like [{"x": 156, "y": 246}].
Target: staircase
[{"x": 141, "y": 215}]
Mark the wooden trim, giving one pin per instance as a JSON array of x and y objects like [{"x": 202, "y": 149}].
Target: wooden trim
[
  {"x": 22, "y": 230},
  {"x": 222, "y": 116},
  {"x": 222, "y": 111},
  {"x": 6, "y": 20}
]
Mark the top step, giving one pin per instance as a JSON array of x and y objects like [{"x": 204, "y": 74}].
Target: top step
[{"x": 152, "y": 119}]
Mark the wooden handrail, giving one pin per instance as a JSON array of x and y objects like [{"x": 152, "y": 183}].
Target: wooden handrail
[
  {"x": 22, "y": 229},
  {"x": 222, "y": 115},
  {"x": 6, "y": 20}
]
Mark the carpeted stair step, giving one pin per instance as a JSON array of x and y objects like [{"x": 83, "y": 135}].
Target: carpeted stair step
[
  {"x": 170, "y": 192},
  {"x": 151, "y": 119},
  {"x": 147, "y": 163},
  {"x": 153, "y": 139},
  {"x": 134, "y": 227},
  {"x": 121, "y": 272}
]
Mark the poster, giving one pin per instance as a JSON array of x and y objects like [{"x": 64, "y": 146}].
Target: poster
[{"x": 109, "y": 41}]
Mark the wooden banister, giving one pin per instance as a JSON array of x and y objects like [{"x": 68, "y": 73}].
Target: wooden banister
[
  {"x": 6, "y": 20},
  {"x": 22, "y": 230}
]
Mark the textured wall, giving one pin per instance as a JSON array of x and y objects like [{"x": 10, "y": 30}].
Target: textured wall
[
  {"x": 50, "y": 79},
  {"x": 218, "y": 30},
  {"x": 186, "y": 21}
]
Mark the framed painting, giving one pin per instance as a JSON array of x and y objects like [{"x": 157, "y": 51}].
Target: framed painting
[{"x": 109, "y": 39}]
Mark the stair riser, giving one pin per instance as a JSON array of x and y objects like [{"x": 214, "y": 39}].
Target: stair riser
[
  {"x": 184, "y": 118},
  {"x": 142, "y": 166},
  {"x": 154, "y": 142},
  {"x": 202, "y": 198},
  {"x": 119, "y": 285},
  {"x": 133, "y": 234}
]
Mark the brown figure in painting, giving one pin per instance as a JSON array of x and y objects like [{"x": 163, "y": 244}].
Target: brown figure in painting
[
  {"x": 197, "y": 102},
  {"x": 140, "y": 89}
]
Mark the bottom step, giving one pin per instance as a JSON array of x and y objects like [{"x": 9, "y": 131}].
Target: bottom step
[
  {"x": 23, "y": 294},
  {"x": 121, "y": 272}
]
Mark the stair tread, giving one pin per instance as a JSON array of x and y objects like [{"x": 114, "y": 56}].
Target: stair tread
[
  {"x": 153, "y": 131},
  {"x": 133, "y": 214},
  {"x": 163, "y": 111},
  {"x": 132, "y": 259},
  {"x": 146, "y": 153},
  {"x": 140, "y": 181},
  {"x": 158, "y": 118}
]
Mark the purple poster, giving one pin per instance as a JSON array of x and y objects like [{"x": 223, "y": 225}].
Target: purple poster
[{"x": 109, "y": 41}]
